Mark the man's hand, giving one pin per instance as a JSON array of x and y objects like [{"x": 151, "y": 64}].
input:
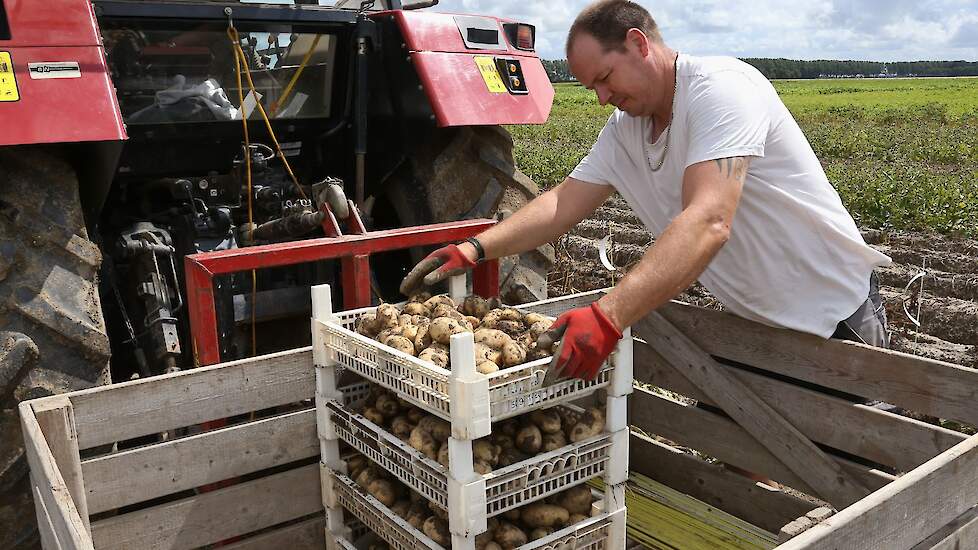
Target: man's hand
[
  {"x": 436, "y": 267},
  {"x": 587, "y": 336}
]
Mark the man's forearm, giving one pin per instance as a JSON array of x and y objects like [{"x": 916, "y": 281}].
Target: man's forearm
[{"x": 674, "y": 262}]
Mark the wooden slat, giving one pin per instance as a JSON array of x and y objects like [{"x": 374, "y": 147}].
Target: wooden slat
[
  {"x": 762, "y": 506},
  {"x": 769, "y": 428},
  {"x": 906, "y": 511},
  {"x": 304, "y": 535},
  {"x": 933, "y": 387},
  {"x": 48, "y": 485},
  {"x": 57, "y": 422},
  {"x": 722, "y": 438},
  {"x": 151, "y": 405},
  {"x": 145, "y": 473},
  {"x": 218, "y": 515},
  {"x": 882, "y": 437},
  {"x": 961, "y": 533}
]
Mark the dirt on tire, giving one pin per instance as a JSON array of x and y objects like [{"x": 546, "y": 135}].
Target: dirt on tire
[
  {"x": 948, "y": 301},
  {"x": 52, "y": 334}
]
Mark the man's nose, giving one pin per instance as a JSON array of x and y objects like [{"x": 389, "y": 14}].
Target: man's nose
[{"x": 604, "y": 95}]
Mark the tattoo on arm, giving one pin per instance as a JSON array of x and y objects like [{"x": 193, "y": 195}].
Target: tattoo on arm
[{"x": 732, "y": 167}]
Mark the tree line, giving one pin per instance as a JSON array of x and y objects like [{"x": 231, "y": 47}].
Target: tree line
[{"x": 821, "y": 68}]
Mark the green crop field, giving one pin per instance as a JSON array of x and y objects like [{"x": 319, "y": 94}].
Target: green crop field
[{"x": 903, "y": 153}]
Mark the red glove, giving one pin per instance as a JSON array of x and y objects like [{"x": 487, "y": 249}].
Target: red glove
[
  {"x": 436, "y": 267},
  {"x": 588, "y": 338}
]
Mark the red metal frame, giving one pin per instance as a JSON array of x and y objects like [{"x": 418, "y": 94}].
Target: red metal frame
[{"x": 354, "y": 252}]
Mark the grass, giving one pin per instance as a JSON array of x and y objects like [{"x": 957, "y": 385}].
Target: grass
[{"x": 903, "y": 153}]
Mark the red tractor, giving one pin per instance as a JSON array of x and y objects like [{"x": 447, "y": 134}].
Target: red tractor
[{"x": 135, "y": 133}]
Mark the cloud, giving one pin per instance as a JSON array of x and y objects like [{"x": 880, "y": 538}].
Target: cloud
[{"x": 883, "y": 30}]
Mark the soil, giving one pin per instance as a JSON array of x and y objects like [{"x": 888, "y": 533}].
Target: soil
[{"x": 948, "y": 303}]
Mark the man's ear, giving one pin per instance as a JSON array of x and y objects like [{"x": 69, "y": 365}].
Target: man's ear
[{"x": 636, "y": 38}]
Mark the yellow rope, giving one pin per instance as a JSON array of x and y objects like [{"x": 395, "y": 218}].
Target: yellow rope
[{"x": 295, "y": 77}]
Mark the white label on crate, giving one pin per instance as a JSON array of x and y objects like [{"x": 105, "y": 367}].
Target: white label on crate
[{"x": 54, "y": 69}]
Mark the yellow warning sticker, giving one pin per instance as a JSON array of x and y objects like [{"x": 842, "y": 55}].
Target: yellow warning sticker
[
  {"x": 487, "y": 66},
  {"x": 8, "y": 82}
]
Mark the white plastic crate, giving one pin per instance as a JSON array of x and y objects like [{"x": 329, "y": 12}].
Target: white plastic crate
[
  {"x": 591, "y": 534},
  {"x": 511, "y": 391},
  {"x": 506, "y": 488}
]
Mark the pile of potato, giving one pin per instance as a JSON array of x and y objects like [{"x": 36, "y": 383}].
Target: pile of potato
[
  {"x": 504, "y": 336},
  {"x": 506, "y": 531},
  {"x": 512, "y": 440}
]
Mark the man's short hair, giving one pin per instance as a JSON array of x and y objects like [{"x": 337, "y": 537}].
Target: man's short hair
[{"x": 608, "y": 22}]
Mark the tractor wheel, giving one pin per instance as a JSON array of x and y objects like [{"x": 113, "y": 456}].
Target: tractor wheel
[
  {"x": 469, "y": 172},
  {"x": 52, "y": 335}
]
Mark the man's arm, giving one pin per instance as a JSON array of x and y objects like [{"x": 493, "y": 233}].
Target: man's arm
[
  {"x": 542, "y": 220},
  {"x": 711, "y": 193}
]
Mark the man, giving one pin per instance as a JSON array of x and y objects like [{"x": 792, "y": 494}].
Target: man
[{"x": 712, "y": 162}]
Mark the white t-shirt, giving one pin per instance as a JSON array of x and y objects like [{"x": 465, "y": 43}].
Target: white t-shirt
[{"x": 795, "y": 257}]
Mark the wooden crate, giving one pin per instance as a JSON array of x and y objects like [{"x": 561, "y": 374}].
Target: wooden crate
[{"x": 784, "y": 416}]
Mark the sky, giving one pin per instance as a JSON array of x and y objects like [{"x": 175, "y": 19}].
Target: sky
[{"x": 876, "y": 30}]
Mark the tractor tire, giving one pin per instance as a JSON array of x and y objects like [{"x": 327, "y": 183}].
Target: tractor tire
[
  {"x": 469, "y": 172},
  {"x": 52, "y": 334}
]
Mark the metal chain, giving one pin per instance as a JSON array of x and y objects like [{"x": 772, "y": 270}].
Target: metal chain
[{"x": 672, "y": 111}]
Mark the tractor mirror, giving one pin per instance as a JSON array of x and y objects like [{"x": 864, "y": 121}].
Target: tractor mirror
[{"x": 417, "y": 4}]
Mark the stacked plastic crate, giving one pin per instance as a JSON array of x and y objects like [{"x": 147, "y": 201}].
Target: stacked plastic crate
[{"x": 471, "y": 402}]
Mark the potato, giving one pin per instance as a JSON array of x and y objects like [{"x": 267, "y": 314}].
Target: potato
[
  {"x": 487, "y": 367},
  {"x": 438, "y": 428},
  {"x": 415, "y": 308},
  {"x": 481, "y": 467},
  {"x": 366, "y": 324},
  {"x": 443, "y": 454},
  {"x": 508, "y": 427},
  {"x": 529, "y": 439},
  {"x": 374, "y": 416},
  {"x": 491, "y": 337},
  {"x": 403, "y": 319},
  {"x": 591, "y": 424},
  {"x": 548, "y": 420},
  {"x": 423, "y": 338},
  {"x": 531, "y": 318},
  {"x": 366, "y": 476},
  {"x": 422, "y": 440},
  {"x": 436, "y": 357},
  {"x": 410, "y": 331},
  {"x": 475, "y": 306},
  {"x": 539, "y": 533},
  {"x": 492, "y": 545},
  {"x": 576, "y": 518},
  {"x": 509, "y": 457},
  {"x": 387, "y": 316},
  {"x": 485, "y": 353},
  {"x": 509, "y": 536},
  {"x": 534, "y": 352},
  {"x": 539, "y": 514},
  {"x": 417, "y": 514},
  {"x": 486, "y": 451},
  {"x": 438, "y": 512},
  {"x": 536, "y": 329},
  {"x": 511, "y": 328},
  {"x": 552, "y": 442},
  {"x": 401, "y": 508},
  {"x": 472, "y": 321},
  {"x": 440, "y": 299},
  {"x": 387, "y": 405},
  {"x": 401, "y": 344},
  {"x": 576, "y": 500},
  {"x": 401, "y": 427},
  {"x": 414, "y": 415},
  {"x": 357, "y": 462},
  {"x": 511, "y": 515},
  {"x": 385, "y": 334},
  {"x": 437, "y": 530},
  {"x": 513, "y": 354},
  {"x": 445, "y": 310},
  {"x": 502, "y": 440},
  {"x": 420, "y": 297},
  {"x": 442, "y": 329}
]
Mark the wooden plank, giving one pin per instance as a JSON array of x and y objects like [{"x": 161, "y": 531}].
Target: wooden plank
[
  {"x": 905, "y": 512},
  {"x": 152, "y": 405},
  {"x": 758, "y": 504},
  {"x": 959, "y": 534},
  {"x": 57, "y": 422},
  {"x": 784, "y": 441},
  {"x": 153, "y": 471},
  {"x": 215, "y": 516},
  {"x": 304, "y": 535},
  {"x": 882, "y": 437},
  {"x": 933, "y": 387},
  {"x": 720, "y": 437},
  {"x": 48, "y": 485}
]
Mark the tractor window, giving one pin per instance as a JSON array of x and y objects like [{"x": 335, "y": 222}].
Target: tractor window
[{"x": 164, "y": 76}]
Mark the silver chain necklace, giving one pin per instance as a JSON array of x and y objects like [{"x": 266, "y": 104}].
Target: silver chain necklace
[{"x": 672, "y": 111}]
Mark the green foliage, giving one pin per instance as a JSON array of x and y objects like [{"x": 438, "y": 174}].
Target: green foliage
[{"x": 902, "y": 153}]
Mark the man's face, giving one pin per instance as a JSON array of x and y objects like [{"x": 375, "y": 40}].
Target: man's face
[{"x": 618, "y": 77}]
